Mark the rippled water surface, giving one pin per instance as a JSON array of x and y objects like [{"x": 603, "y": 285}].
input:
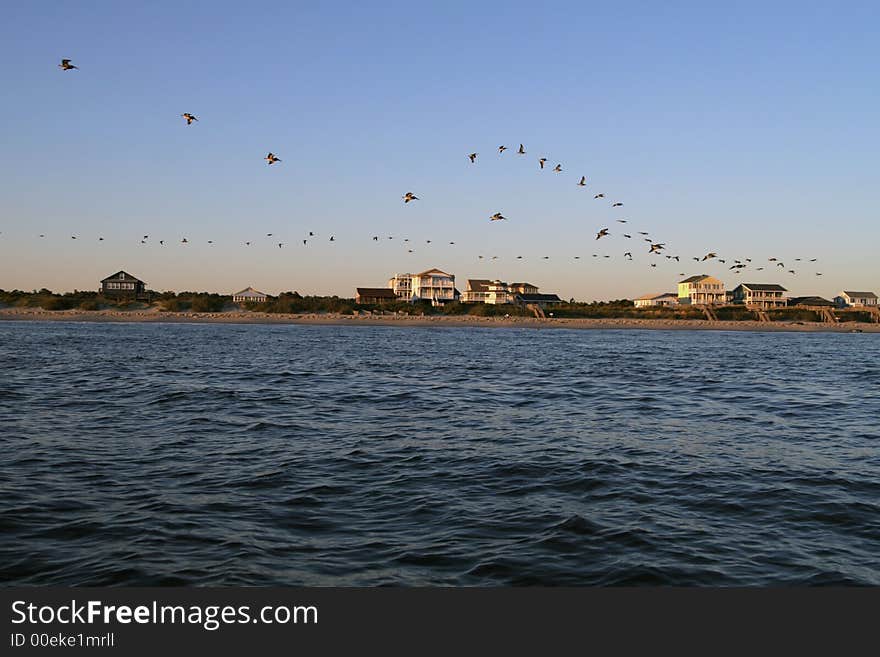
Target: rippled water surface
[{"x": 139, "y": 454}]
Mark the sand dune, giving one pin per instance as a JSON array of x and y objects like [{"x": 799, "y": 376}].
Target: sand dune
[{"x": 239, "y": 317}]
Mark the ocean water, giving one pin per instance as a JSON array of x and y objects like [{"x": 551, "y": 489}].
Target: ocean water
[{"x": 154, "y": 454}]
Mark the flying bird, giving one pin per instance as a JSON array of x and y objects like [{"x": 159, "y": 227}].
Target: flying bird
[
  {"x": 558, "y": 168},
  {"x": 541, "y": 161},
  {"x": 497, "y": 216},
  {"x": 272, "y": 159},
  {"x": 473, "y": 157},
  {"x": 189, "y": 118},
  {"x": 501, "y": 149},
  {"x": 708, "y": 256},
  {"x": 583, "y": 182},
  {"x": 621, "y": 221},
  {"x": 65, "y": 65},
  {"x": 409, "y": 196},
  {"x": 602, "y": 233},
  {"x": 627, "y": 236},
  {"x": 616, "y": 205},
  {"x": 521, "y": 151}
]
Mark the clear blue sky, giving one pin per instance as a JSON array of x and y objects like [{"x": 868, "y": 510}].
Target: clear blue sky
[{"x": 749, "y": 129}]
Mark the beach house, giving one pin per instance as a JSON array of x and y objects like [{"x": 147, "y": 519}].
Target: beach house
[
  {"x": 760, "y": 295},
  {"x": 702, "y": 289},
  {"x": 480, "y": 290},
  {"x": 123, "y": 285},
  {"x": 540, "y": 300},
  {"x": 375, "y": 295},
  {"x": 664, "y": 299},
  {"x": 815, "y": 302},
  {"x": 249, "y": 294},
  {"x": 847, "y": 299},
  {"x": 434, "y": 285},
  {"x": 523, "y": 288}
]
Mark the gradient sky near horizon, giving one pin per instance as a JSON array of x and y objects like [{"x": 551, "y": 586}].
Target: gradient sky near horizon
[{"x": 748, "y": 129}]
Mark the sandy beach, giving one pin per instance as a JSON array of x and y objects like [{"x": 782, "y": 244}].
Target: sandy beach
[{"x": 239, "y": 317}]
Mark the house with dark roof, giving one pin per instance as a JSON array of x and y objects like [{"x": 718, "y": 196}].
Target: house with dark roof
[
  {"x": 760, "y": 295},
  {"x": 375, "y": 295},
  {"x": 123, "y": 285},
  {"x": 540, "y": 300},
  {"x": 815, "y": 302},
  {"x": 701, "y": 290},
  {"x": 848, "y": 299}
]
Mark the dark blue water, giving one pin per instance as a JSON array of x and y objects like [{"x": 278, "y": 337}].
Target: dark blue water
[{"x": 141, "y": 454}]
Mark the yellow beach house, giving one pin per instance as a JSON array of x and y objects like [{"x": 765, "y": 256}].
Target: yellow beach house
[{"x": 701, "y": 290}]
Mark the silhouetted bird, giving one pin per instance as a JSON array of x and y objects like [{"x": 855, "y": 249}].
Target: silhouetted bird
[
  {"x": 473, "y": 157},
  {"x": 189, "y": 118},
  {"x": 521, "y": 150},
  {"x": 602, "y": 233},
  {"x": 496, "y": 217},
  {"x": 583, "y": 182},
  {"x": 65, "y": 65},
  {"x": 272, "y": 159}
]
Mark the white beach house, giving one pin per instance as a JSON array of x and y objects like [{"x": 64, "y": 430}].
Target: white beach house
[
  {"x": 249, "y": 294},
  {"x": 434, "y": 285},
  {"x": 665, "y": 299},
  {"x": 847, "y": 299}
]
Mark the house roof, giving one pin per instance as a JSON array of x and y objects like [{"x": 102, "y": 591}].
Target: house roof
[
  {"x": 768, "y": 287},
  {"x": 378, "y": 292},
  {"x": 651, "y": 297},
  {"x": 523, "y": 285},
  {"x": 478, "y": 284},
  {"x": 249, "y": 292},
  {"x": 809, "y": 301},
  {"x": 122, "y": 276},
  {"x": 694, "y": 279},
  {"x": 867, "y": 295},
  {"x": 428, "y": 272},
  {"x": 539, "y": 297}
]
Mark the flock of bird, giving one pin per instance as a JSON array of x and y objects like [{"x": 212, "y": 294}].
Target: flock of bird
[{"x": 655, "y": 247}]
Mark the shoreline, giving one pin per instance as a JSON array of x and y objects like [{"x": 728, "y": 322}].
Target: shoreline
[{"x": 333, "y": 319}]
